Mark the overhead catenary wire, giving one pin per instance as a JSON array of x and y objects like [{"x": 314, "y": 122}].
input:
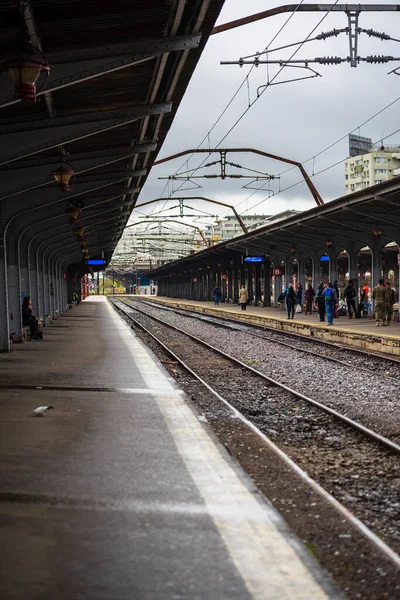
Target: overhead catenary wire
[
  {"x": 312, "y": 158},
  {"x": 273, "y": 78},
  {"x": 381, "y": 139},
  {"x": 245, "y": 80}
]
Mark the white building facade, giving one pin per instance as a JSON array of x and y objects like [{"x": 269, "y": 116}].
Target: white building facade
[{"x": 365, "y": 170}]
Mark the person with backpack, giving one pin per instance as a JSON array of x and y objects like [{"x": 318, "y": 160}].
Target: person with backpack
[
  {"x": 290, "y": 297},
  {"x": 350, "y": 294},
  {"x": 320, "y": 302},
  {"x": 330, "y": 297}
]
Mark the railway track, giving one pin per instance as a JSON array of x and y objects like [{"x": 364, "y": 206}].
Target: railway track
[
  {"x": 366, "y": 395},
  {"x": 385, "y": 365},
  {"x": 361, "y": 473}
]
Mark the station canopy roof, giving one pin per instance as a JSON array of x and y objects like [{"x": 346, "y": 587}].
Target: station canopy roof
[
  {"x": 118, "y": 71},
  {"x": 347, "y": 223}
]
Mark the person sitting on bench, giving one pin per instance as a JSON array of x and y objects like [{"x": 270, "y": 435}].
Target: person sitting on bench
[{"x": 29, "y": 320}]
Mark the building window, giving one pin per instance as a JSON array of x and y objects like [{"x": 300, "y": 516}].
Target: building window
[
  {"x": 381, "y": 159},
  {"x": 346, "y": 176},
  {"x": 381, "y": 171}
]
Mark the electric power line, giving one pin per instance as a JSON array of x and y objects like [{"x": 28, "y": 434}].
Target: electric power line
[
  {"x": 321, "y": 171},
  {"x": 230, "y": 102}
]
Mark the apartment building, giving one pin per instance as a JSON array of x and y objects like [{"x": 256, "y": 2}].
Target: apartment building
[
  {"x": 229, "y": 227},
  {"x": 377, "y": 166}
]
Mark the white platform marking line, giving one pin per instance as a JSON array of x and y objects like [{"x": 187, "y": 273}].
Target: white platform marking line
[
  {"x": 267, "y": 563},
  {"x": 152, "y": 374}
]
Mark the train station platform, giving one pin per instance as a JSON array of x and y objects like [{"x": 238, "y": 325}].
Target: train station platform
[
  {"x": 120, "y": 492},
  {"x": 358, "y": 333}
]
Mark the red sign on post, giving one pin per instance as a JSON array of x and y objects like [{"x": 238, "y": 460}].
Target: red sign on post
[
  {"x": 223, "y": 276},
  {"x": 194, "y": 279},
  {"x": 277, "y": 272}
]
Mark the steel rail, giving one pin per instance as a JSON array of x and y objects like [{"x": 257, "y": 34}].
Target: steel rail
[
  {"x": 349, "y": 516},
  {"x": 350, "y": 422},
  {"x": 333, "y": 345}
]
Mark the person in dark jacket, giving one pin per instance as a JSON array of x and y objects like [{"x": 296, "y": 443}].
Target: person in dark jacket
[
  {"x": 336, "y": 287},
  {"x": 299, "y": 295},
  {"x": 320, "y": 301},
  {"x": 217, "y": 295},
  {"x": 350, "y": 294},
  {"x": 309, "y": 298},
  {"x": 290, "y": 298},
  {"x": 29, "y": 320}
]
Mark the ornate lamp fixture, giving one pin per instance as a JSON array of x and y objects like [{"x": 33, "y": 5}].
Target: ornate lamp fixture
[
  {"x": 63, "y": 175},
  {"x": 267, "y": 255},
  {"x": 329, "y": 243},
  {"x": 293, "y": 249},
  {"x": 377, "y": 231},
  {"x": 25, "y": 66},
  {"x": 64, "y": 172}
]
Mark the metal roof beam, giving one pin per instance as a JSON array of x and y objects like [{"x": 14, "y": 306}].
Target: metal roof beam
[
  {"x": 113, "y": 58},
  {"x": 20, "y": 145}
]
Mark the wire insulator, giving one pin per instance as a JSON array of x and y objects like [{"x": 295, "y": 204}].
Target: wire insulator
[
  {"x": 332, "y": 33},
  {"x": 373, "y": 33},
  {"x": 378, "y": 59},
  {"x": 329, "y": 60}
]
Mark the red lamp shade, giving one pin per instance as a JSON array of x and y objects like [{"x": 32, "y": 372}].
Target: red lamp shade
[
  {"x": 72, "y": 213},
  {"x": 25, "y": 68},
  {"x": 63, "y": 175}
]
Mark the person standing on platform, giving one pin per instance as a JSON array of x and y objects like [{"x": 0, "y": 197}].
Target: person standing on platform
[
  {"x": 290, "y": 297},
  {"x": 390, "y": 300},
  {"x": 336, "y": 287},
  {"x": 320, "y": 301},
  {"x": 217, "y": 295},
  {"x": 330, "y": 301},
  {"x": 299, "y": 295},
  {"x": 309, "y": 298},
  {"x": 243, "y": 297},
  {"x": 379, "y": 296},
  {"x": 350, "y": 294}
]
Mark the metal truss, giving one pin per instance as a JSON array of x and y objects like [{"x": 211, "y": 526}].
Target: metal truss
[
  {"x": 307, "y": 179},
  {"x": 352, "y": 31}
]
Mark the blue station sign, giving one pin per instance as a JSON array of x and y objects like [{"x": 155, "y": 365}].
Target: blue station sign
[
  {"x": 96, "y": 261},
  {"x": 253, "y": 259}
]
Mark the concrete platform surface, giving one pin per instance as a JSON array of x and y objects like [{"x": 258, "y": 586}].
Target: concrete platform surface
[
  {"x": 120, "y": 492},
  {"x": 359, "y": 333}
]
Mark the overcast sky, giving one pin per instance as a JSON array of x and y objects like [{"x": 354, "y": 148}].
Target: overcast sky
[{"x": 296, "y": 120}]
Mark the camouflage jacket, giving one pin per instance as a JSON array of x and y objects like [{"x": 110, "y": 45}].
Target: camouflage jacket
[
  {"x": 390, "y": 297},
  {"x": 379, "y": 295}
]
